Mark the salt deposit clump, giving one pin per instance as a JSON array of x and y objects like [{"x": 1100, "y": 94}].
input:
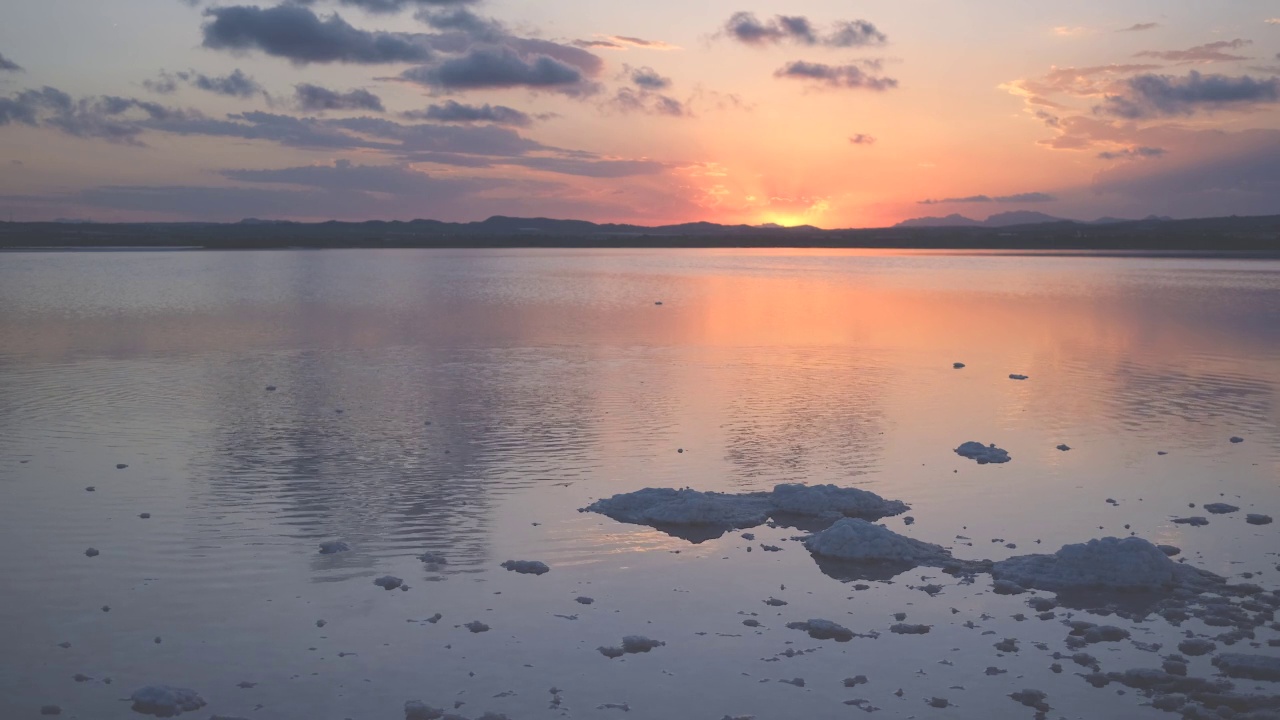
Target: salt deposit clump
[
  {"x": 526, "y": 567},
  {"x": 631, "y": 645},
  {"x": 388, "y": 582},
  {"x": 665, "y": 507},
  {"x": 983, "y": 453},
  {"x": 857, "y": 540},
  {"x": 1220, "y": 508},
  {"x": 418, "y": 710},
  {"x": 1252, "y": 667},
  {"x": 823, "y": 630},
  {"x": 1257, "y": 519},
  {"x": 1106, "y": 564},
  {"x": 333, "y": 546},
  {"x": 165, "y": 701}
]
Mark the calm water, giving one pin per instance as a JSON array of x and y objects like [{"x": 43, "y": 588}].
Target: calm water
[{"x": 469, "y": 403}]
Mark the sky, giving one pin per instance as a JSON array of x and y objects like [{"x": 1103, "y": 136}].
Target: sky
[{"x": 821, "y": 112}]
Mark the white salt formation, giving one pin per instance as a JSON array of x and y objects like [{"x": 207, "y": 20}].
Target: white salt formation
[
  {"x": 857, "y": 540},
  {"x": 165, "y": 701},
  {"x": 982, "y": 453},
  {"x": 526, "y": 567},
  {"x": 1106, "y": 564},
  {"x": 667, "y": 507}
]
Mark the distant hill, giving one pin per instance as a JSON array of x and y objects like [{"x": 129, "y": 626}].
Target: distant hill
[
  {"x": 1004, "y": 231},
  {"x": 1004, "y": 219}
]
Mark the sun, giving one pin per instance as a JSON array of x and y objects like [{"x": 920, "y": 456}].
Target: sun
[{"x": 783, "y": 219}]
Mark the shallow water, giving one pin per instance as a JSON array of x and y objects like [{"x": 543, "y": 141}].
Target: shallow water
[{"x": 468, "y": 403}]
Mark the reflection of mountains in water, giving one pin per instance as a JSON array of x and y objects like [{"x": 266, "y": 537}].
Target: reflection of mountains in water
[{"x": 422, "y": 447}]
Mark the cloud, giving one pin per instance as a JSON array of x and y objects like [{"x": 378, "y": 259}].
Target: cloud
[
  {"x": 299, "y": 35},
  {"x": 501, "y": 67},
  {"x": 1071, "y": 30},
  {"x": 463, "y": 21},
  {"x": 316, "y": 98},
  {"x": 7, "y": 65},
  {"x": 344, "y": 176},
  {"x": 1163, "y": 95},
  {"x": 862, "y": 139},
  {"x": 746, "y": 28},
  {"x": 838, "y": 76},
  {"x": 1131, "y": 153},
  {"x": 1015, "y": 198},
  {"x": 648, "y": 78},
  {"x": 237, "y": 84},
  {"x": 1212, "y": 173},
  {"x": 392, "y": 6},
  {"x": 1272, "y": 21},
  {"x": 1139, "y": 27},
  {"x": 591, "y": 168},
  {"x": 1207, "y": 53},
  {"x": 454, "y": 112},
  {"x": 106, "y": 117},
  {"x": 630, "y": 100}
]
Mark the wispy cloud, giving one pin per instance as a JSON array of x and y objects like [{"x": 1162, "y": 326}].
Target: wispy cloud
[
  {"x": 1015, "y": 198},
  {"x": 1131, "y": 153},
  {"x": 1207, "y": 53},
  {"x": 861, "y": 139},
  {"x": 836, "y": 76},
  {"x": 1139, "y": 27}
]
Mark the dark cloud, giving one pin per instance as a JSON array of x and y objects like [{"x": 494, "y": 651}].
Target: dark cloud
[
  {"x": 1139, "y": 27},
  {"x": 296, "y": 33},
  {"x": 862, "y": 139},
  {"x": 630, "y": 100},
  {"x": 7, "y": 65},
  {"x": 346, "y": 177},
  {"x": 1164, "y": 95},
  {"x": 237, "y": 84},
  {"x": 1131, "y": 153},
  {"x": 1210, "y": 52},
  {"x": 1015, "y": 198},
  {"x": 107, "y": 117},
  {"x": 605, "y": 44},
  {"x": 649, "y": 79},
  {"x": 316, "y": 98},
  {"x": 745, "y": 27},
  {"x": 452, "y": 111},
  {"x": 501, "y": 67},
  {"x": 1212, "y": 173},
  {"x": 463, "y": 21},
  {"x": 839, "y": 76}
]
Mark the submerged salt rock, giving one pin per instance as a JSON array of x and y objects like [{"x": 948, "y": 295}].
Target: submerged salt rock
[
  {"x": 1251, "y": 667},
  {"x": 1220, "y": 508},
  {"x": 819, "y": 629},
  {"x": 1106, "y": 564},
  {"x": 1236, "y": 439},
  {"x": 1064, "y": 447},
  {"x": 984, "y": 454},
  {"x": 1170, "y": 550},
  {"x": 388, "y": 582},
  {"x": 526, "y": 567},
  {"x": 121, "y": 466},
  {"x": 330, "y": 547},
  {"x": 418, "y": 710},
  {"x": 905, "y": 629},
  {"x": 857, "y": 540},
  {"x": 91, "y": 552},
  {"x": 476, "y": 626},
  {"x": 1196, "y": 647},
  {"x": 50, "y": 710},
  {"x": 584, "y": 600},
  {"x": 165, "y": 701},
  {"x": 1016, "y": 376},
  {"x": 1032, "y": 699},
  {"x": 958, "y": 365},
  {"x": 639, "y": 644},
  {"x": 1256, "y": 519},
  {"x": 1194, "y": 521},
  {"x": 430, "y": 558}
]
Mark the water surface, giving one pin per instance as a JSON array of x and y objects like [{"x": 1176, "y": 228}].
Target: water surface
[{"x": 469, "y": 402}]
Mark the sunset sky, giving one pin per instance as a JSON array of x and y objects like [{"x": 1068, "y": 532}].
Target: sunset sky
[{"x": 831, "y": 113}]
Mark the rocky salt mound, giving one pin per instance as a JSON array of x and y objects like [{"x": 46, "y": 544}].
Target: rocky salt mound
[
  {"x": 716, "y": 513},
  {"x": 1111, "y": 564},
  {"x": 165, "y": 701},
  {"x": 983, "y": 454},
  {"x": 858, "y": 541}
]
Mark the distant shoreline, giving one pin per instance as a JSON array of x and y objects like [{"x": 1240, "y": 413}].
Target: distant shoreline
[{"x": 1230, "y": 236}]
